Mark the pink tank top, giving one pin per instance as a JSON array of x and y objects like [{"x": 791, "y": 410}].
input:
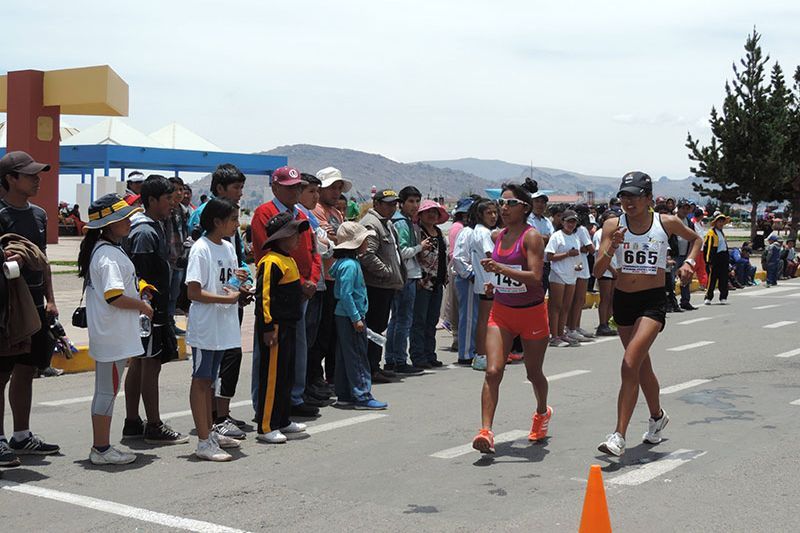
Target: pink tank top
[{"x": 507, "y": 291}]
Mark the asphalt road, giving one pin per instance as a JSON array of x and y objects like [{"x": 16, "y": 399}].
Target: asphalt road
[{"x": 729, "y": 461}]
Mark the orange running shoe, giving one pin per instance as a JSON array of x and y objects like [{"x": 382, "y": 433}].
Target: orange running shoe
[
  {"x": 540, "y": 424},
  {"x": 484, "y": 441},
  {"x": 515, "y": 357}
]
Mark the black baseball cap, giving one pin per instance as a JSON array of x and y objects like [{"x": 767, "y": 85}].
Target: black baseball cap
[
  {"x": 21, "y": 163},
  {"x": 386, "y": 195},
  {"x": 637, "y": 183},
  {"x": 284, "y": 225}
]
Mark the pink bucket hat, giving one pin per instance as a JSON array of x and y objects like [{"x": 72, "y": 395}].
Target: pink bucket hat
[{"x": 430, "y": 204}]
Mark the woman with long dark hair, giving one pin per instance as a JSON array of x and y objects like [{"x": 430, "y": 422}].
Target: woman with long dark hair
[{"x": 518, "y": 309}]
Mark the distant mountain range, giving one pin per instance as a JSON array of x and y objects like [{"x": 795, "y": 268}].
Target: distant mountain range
[{"x": 451, "y": 178}]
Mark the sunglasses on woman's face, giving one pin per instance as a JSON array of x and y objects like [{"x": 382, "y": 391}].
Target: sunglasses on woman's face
[{"x": 510, "y": 202}]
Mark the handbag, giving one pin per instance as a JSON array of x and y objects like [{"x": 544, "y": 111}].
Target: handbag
[{"x": 79, "y": 319}]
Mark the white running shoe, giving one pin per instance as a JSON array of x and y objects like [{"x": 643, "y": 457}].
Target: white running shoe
[
  {"x": 223, "y": 441},
  {"x": 723, "y": 301},
  {"x": 653, "y": 435},
  {"x": 706, "y": 302},
  {"x": 294, "y": 427},
  {"x": 273, "y": 437},
  {"x": 111, "y": 456},
  {"x": 209, "y": 450},
  {"x": 587, "y": 334},
  {"x": 576, "y": 336},
  {"x": 614, "y": 445}
]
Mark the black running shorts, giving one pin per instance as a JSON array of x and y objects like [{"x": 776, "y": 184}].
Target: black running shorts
[{"x": 651, "y": 303}]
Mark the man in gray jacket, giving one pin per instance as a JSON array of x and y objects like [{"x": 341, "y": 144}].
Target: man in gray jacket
[{"x": 384, "y": 273}]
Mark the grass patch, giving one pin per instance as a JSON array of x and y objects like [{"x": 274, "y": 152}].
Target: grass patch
[
  {"x": 62, "y": 272},
  {"x": 64, "y": 263}
]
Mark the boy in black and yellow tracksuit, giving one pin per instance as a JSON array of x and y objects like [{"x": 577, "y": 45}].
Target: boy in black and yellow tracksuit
[{"x": 278, "y": 308}]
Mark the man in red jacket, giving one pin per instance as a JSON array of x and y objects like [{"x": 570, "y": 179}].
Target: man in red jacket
[{"x": 285, "y": 183}]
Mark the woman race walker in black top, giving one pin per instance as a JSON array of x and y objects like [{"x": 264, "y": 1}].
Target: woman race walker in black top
[{"x": 638, "y": 239}]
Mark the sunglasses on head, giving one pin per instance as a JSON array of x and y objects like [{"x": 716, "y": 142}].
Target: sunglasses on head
[{"x": 510, "y": 202}]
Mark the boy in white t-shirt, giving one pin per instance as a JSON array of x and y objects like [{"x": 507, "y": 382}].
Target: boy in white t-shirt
[
  {"x": 563, "y": 253},
  {"x": 574, "y": 331},
  {"x": 213, "y": 318},
  {"x": 480, "y": 247}
]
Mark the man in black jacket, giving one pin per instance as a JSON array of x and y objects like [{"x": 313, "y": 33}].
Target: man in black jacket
[{"x": 148, "y": 249}]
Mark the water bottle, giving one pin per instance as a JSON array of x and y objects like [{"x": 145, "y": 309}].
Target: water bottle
[
  {"x": 377, "y": 338},
  {"x": 145, "y": 325}
]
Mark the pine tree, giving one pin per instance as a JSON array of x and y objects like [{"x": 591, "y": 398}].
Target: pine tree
[
  {"x": 792, "y": 155},
  {"x": 744, "y": 161}
]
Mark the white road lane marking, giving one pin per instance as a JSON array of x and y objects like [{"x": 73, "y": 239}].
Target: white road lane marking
[
  {"x": 178, "y": 414},
  {"x": 684, "y": 385},
  {"x": 780, "y": 324},
  {"x": 659, "y": 467},
  {"x": 790, "y": 353},
  {"x": 770, "y": 306},
  {"x": 796, "y": 402},
  {"x": 599, "y": 340},
  {"x": 458, "y": 451},
  {"x": 685, "y": 347},
  {"x": 695, "y": 320},
  {"x": 118, "y": 509},
  {"x": 70, "y": 401},
  {"x": 562, "y": 375},
  {"x": 319, "y": 428},
  {"x": 769, "y": 292}
]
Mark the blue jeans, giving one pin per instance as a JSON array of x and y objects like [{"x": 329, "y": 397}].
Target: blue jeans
[
  {"x": 400, "y": 324},
  {"x": 300, "y": 359},
  {"x": 686, "y": 290},
  {"x": 772, "y": 273},
  {"x": 353, "y": 378},
  {"x": 467, "y": 318},
  {"x": 423, "y": 329}
]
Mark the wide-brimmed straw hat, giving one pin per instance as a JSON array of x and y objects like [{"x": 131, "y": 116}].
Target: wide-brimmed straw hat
[
  {"x": 430, "y": 204},
  {"x": 351, "y": 234},
  {"x": 109, "y": 209}
]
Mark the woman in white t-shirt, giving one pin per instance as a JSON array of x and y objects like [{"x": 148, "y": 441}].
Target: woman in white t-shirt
[
  {"x": 606, "y": 282},
  {"x": 574, "y": 331},
  {"x": 481, "y": 246},
  {"x": 213, "y": 278},
  {"x": 563, "y": 252},
  {"x": 113, "y": 307}
]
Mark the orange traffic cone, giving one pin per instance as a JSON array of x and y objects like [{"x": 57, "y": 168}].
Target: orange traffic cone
[{"x": 594, "y": 518}]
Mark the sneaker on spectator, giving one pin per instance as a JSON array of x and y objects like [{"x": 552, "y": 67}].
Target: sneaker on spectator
[
  {"x": 238, "y": 423},
  {"x": 273, "y": 437},
  {"x": 569, "y": 340},
  {"x": 604, "y": 330},
  {"x": 229, "y": 429},
  {"x": 163, "y": 434},
  {"x": 407, "y": 370},
  {"x": 688, "y": 307},
  {"x": 587, "y": 334},
  {"x": 133, "y": 428},
  {"x": 344, "y": 404},
  {"x": 723, "y": 301},
  {"x": 223, "y": 441},
  {"x": 370, "y": 405},
  {"x": 7, "y": 456},
  {"x": 479, "y": 362},
  {"x": 613, "y": 445},
  {"x": 706, "y": 302},
  {"x": 209, "y": 450},
  {"x": 576, "y": 336},
  {"x": 380, "y": 377},
  {"x": 111, "y": 456},
  {"x": 424, "y": 365},
  {"x": 558, "y": 342},
  {"x": 32, "y": 445},
  {"x": 50, "y": 372},
  {"x": 304, "y": 410},
  {"x": 294, "y": 427},
  {"x": 465, "y": 362}
]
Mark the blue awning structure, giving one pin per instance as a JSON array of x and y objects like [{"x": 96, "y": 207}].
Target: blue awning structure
[{"x": 85, "y": 159}]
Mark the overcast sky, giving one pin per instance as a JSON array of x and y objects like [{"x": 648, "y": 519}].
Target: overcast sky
[{"x": 592, "y": 87}]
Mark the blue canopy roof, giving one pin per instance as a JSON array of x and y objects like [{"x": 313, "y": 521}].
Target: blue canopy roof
[{"x": 84, "y": 159}]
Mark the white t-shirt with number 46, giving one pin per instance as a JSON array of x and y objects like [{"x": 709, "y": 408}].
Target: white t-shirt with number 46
[{"x": 212, "y": 326}]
